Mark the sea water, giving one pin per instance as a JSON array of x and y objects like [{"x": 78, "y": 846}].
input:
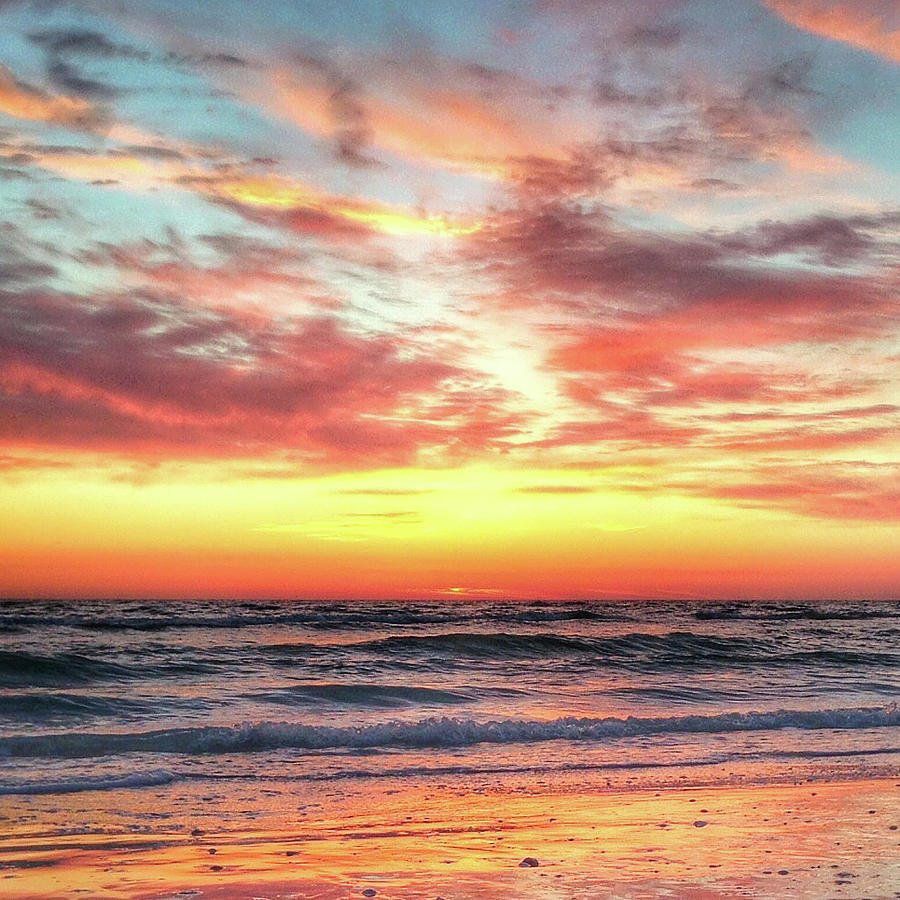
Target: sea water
[{"x": 99, "y": 696}]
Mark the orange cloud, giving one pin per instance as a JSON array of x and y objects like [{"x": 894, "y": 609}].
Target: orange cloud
[
  {"x": 22, "y": 101},
  {"x": 872, "y": 25},
  {"x": 435, "y": 124},
  {"x": 827, "y": 490},
  {"x": 278, "y": 200},
  {"x": 129, "y": 170},
  {"x": 306, "y": 208}
]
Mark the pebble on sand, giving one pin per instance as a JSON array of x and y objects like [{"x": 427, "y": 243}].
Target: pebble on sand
[
  {"x": 528, "y": 863},
  {"x": 369, "y": 892},
  {"x": 700, "y": 823}
]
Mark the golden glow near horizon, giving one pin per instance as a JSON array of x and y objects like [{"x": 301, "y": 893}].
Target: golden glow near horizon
[
  {"x": 336, "y": 315},
  {"x": 411, "y": 533}
]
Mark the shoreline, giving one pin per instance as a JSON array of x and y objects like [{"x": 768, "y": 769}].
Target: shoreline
[{"x": 810, "y": 840}]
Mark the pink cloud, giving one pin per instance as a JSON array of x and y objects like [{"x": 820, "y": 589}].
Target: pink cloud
[
  {"x": 842, "y": 490},
  {"x": 872, "y": 25},
  {"x": 150, "y": 375}
]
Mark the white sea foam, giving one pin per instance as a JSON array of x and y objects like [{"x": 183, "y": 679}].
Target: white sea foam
[
  {"x": 436, "y": 732},
  {"x": 94, "y": 783}
]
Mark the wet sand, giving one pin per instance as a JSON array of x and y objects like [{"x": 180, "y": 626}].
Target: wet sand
[{"x": 810, "y": 840}]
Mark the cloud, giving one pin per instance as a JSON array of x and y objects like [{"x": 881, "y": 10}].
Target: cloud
[
  {"x": 585, "y": 171},
  {"x": 423, "y": 108},
  {"x": 562, "y": 489},
  {"x": 251, "y": 275},
  {"x": 833, "y": 240},
  {"x": 24, "y": 101},
  {"x": 23, "y": 262},
  {"x": 300, "y": 207},
  {"x": 651, "y": 336},
  {"x": 622, "y": 429},
  {"x": 64, "y": 45},
  {"x": 133, "y": 170},
  {"x": 385, "y": 492},
  {"x": 66, "y": 49},
  {"x": 496, "y": 124},
  {"x": 282, "y": 202},
  {"x": 66, "y": 77},
  {"x": 85, "y": 42},
  {"x": 583, "y": 260},
  {"x": 350, "y": 126},
  {"x": 406, "y": 515},
  {"x": 842, "y": 490},
  {"x": 149, "y": 374},
  {"x": 211, "y": 59},
  {"x": 615, "y": 527},
  {"x": 641, "y": 266},
  {"x": 763, "y": 312},
  {"x": 872, "y": 25},
  {"x": 29, "y": 464}
]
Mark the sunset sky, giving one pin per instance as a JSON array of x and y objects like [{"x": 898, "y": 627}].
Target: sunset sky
[{"x": 481, "y": 298}]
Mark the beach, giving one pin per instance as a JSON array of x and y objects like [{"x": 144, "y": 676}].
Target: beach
[{"x": 444, "y": 839}]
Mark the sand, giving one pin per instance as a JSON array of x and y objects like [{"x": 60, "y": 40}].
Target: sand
[{"x": 803, "y": 840}]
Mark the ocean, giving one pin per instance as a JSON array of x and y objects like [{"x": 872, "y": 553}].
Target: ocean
[{"x": 309, "y": 698}]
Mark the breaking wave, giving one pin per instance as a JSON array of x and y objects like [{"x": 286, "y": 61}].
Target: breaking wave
[
  {"x": 91, "y": 783},
  {"x": 437, "y": 732}
]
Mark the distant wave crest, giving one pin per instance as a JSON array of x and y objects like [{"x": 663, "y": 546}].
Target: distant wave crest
[{"x": 637, "y": 649}]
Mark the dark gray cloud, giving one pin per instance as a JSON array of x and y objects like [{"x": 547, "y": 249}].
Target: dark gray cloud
[
  {"x": 834, "y": 240},
  {"x": 21, "y": 262},
  {"x": 220, "y": 60},
  {"x": 352, "y": 131},
  {"x": 85, "y": 42},
  {"x": 66, "y": 77}
]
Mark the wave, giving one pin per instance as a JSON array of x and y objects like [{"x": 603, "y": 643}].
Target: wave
[
  {"x": 336, "y": 616},
  {"x": 161, "y": 777},
  {"x": 506, "y": 644},
  {"x": 88, "y": 783},
  {"x": 33, "y": 706},
  {"x": 23, "y": 669},
  {"x": 159, "y": 616},
  {"x": 640, "y": 652},
  {"x": 644, "y": 649},
  {"x": 378, "y": 696},
  {"x": 814, "y": 612},
  {"x": 443, "y": 732}
]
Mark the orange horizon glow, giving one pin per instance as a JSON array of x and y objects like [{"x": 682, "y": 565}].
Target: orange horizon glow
[{"x": 474, "y": 534}]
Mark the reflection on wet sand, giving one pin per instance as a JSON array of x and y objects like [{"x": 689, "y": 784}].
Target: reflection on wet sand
[{"x": 801, "y": 841}]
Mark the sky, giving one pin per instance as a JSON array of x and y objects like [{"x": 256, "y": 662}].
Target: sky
[{"x": 482, "y": 298}]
